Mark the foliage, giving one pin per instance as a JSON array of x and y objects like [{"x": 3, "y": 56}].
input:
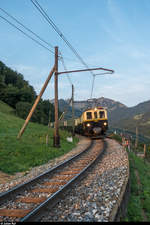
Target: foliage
[{"x": 17, "y": 93}]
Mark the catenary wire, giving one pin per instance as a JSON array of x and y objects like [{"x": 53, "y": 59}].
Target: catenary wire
[
  {"x": 41, "y": 39},
  {"x": 8, "y": 14},
  {"x": 41, "y": 10},
  {"x": 94, "y": 80},
  {"x": 26, "y": 34},
  {"x": 65, "y": 68}
]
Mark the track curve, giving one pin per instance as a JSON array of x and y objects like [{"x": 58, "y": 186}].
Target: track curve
[{"x": 26, "y": 201}]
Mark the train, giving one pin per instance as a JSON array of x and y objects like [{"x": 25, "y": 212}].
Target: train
[{"x": 93, "y": 122}]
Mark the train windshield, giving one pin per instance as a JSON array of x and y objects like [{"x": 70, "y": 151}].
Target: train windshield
[
  {"x": 89, "y": 115},
  {"x": 101, "y": 114},
  {"x": 95, "y": 115}
]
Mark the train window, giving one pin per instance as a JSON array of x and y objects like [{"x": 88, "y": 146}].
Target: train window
[
  {"x": 101, "y": 114},
  {"x": 89, "y": 115},
  {"x": 95, "y": 115}
]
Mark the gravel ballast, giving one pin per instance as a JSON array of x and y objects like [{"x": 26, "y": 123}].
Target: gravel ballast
[{"x": 97, "y": 197}]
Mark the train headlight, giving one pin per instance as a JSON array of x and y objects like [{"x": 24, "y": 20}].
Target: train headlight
[
  {"x": 105, "y": 123},
  {"x": 88, "y": 125}
]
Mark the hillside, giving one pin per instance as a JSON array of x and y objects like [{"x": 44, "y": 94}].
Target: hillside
[
  {"x": 32, "y": 149},
  {"x": 132, "y": 117},
  {"x": 142, "y": 121},
  {"x": 20, "y": 95},
  {"x": 4, "y": 108}
]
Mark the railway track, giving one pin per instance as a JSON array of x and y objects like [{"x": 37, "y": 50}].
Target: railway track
[{"x": 27, "y": 202}]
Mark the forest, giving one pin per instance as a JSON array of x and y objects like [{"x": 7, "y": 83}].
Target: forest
[{"x": 20, "y": 95}]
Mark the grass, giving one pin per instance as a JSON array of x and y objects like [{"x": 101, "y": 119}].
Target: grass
[
  {"x": 138, "y": 208},
  {"x": 6, "y": 108},
  {"x": 139, "y": 203},
  {"x": 31, "y": 150}
]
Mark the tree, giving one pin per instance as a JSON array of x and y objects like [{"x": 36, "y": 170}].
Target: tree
[
  {"x": 16, "y": 92},
  {"x": 22, "y": 109},
  {"x": 10, "y": 95},
  {"x": 26, "y": 94}
]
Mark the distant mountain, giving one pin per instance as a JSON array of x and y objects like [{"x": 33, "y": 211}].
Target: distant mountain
[
  {"x": 119, "y": 115},
  {"x": 81, "y": 106},
  {"x": 65, "y": 106},
  {"x": 104, "y": 102},
  {"x": 132, "y": 117}
]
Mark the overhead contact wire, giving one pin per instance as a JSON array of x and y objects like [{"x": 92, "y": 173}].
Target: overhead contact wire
[
  {"x": 8, "y": 14},
  {"x": 65, "y": 68},
  {"x": 26, "y": 34},
  {"x": 41, "y": 10}
]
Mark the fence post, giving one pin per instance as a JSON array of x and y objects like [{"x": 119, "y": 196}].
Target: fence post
[{"x": 144, "y": 150}]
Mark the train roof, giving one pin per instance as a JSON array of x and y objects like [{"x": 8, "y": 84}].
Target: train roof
[{"x": 99, "y": 107}]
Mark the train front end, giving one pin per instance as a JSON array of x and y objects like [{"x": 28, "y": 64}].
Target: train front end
[{"x": 95, "y": 122}]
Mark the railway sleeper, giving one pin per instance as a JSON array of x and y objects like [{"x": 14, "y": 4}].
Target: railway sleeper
[{"x": 19, "y": 213}]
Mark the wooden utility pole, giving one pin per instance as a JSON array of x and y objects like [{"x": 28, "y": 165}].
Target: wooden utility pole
[
  {"x": 35, "y": 103},
  {"x": 56, "y": 138},
  {"x": 72, "y": 110}
]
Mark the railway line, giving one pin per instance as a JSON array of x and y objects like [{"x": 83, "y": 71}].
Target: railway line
[
  {"x": 102, "y": 195},
  {"x": 27, "y": 201}
]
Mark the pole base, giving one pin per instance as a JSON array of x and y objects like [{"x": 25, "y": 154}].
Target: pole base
[{"x": 56, "y": 141}]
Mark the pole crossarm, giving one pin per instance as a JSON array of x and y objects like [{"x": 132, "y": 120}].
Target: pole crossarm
[{"x": 84, "y": 70}]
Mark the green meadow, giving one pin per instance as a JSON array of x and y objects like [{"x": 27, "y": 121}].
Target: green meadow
[{"x": 31, "y": 149}]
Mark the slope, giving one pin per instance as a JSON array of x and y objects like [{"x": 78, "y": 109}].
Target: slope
[{"x": 31, "y": 150}]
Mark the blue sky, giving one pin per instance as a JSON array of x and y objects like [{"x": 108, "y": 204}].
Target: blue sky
[{"x": 113, "y": 34}]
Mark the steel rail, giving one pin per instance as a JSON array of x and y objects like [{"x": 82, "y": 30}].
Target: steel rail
[
  {"x": 36, "y": 214},
  {"x": 19, "y": 188}
]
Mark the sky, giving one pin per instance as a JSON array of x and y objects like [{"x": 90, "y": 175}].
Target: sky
[{"x": 112, "y": 34}]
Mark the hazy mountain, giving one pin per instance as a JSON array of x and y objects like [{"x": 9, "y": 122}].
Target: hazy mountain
[
  {"x": 132, "y": 117},
  {"x": 80, "y": 106},
  {"x": 104, "y": 102}
]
